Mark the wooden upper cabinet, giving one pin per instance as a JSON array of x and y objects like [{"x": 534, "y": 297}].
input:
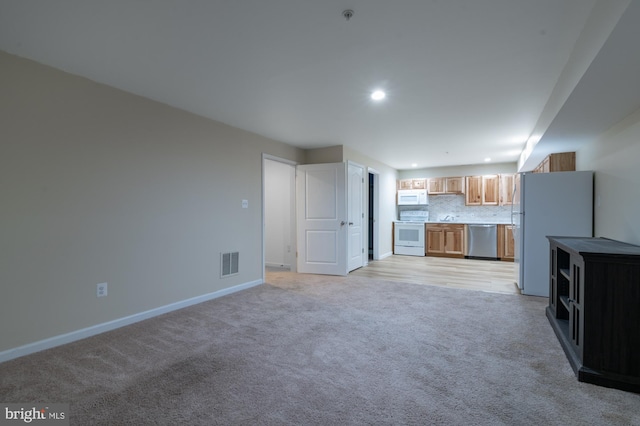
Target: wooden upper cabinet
[
  {"x": 506, "y": 189},
  {"x": 446, "y": 185},
  {"x": 437, "y": 185},
  {"x": 412, "y": 184},
  {"x": 559, "y": 162},
  {"x": 491, "y": 190},
  {"x": 482, "y": 190},
  {"x": 455, "y": 185},
  {"x": 404, "y": 183},
  {"x": 473, "y": 193},
  {"x": 418, "y": 184},
  {"x": 562, "y": 162},
  {"x": 545, "y": 165}
]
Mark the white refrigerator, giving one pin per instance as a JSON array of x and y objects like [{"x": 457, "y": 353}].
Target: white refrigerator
[{"x": 558, "y": 204}]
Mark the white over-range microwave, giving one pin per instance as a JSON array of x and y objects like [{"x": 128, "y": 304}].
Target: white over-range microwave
[{"x": 412, "y": 197}]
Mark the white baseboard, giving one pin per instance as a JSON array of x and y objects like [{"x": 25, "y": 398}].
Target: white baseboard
[
  {"x": 120, "y": 322},
  {"x": 382, "y": 256},
  {"x": 277, "y": 265}
]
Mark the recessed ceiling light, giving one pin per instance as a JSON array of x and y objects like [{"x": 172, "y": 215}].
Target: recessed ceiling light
[
  {"x": 414, "y": 165},
  {"x": 378, "y": 95},
  {"x": 487, "y": 159}
]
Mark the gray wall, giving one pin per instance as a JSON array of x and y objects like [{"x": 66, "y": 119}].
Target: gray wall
[
  {"x": 614, "y": 157},
  {"x": 98, "y": 185}
]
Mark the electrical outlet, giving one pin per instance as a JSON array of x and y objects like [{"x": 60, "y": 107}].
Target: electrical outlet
[
  {"x": 101, "y": 290},
  {"x": 245, "y": 204}
]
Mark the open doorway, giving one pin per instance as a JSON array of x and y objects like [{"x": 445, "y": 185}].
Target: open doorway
[
  {"x": 279, "y": 214},
  {"x": 373, "y": 211},
  {"x": 279, "y": 233}
]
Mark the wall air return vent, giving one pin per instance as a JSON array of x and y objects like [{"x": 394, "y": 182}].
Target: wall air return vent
[{"x": 229, "y": 264}]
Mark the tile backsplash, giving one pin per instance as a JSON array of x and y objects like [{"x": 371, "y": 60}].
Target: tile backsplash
[{"x": 453, "y": 205}]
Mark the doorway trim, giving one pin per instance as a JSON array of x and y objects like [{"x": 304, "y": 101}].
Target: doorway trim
[{"x": 364, "y": 207}]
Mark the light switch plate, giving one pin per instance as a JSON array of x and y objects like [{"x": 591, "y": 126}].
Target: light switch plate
[
  {"x": 101, "y": 290},
  {"x": 245, "y": 204}
]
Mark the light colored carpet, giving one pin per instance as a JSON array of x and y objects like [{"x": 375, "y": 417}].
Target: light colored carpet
[{"x": 314, "y": 350}]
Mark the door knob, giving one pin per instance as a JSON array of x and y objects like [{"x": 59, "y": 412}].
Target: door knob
[
  {"x": 343, "y": 223},
  {"x": 350, "y": 223}
]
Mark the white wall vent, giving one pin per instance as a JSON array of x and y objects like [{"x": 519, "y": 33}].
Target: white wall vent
[{"x": 229, "y": 264}]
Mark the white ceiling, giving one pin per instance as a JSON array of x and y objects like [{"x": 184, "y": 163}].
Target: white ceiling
[{"x": 465, "y": 79}]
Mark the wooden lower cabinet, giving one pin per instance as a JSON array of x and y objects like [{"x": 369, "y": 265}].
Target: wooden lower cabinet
[
  {"x": 506, "y": 244},
  {"x": 444, "y": 240},
  {"x": 435, "y": 240}
]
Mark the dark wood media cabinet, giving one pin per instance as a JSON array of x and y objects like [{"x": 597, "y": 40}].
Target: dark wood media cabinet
[{"x": 594, "y": 308}]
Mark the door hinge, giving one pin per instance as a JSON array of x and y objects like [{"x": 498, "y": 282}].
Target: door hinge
[{"x": 363, "y": 250}]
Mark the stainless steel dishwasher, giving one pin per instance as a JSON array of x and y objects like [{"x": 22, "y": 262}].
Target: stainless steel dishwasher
[{"x": 482, "y": 241}]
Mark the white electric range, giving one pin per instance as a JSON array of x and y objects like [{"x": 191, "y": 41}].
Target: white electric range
[{"x": 409, "y": 233}]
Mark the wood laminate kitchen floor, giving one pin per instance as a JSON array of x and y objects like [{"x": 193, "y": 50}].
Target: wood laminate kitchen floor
[{"x": 472, "y": 274}]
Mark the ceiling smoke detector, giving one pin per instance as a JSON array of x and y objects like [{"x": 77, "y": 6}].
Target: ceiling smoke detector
[{"x": 348, "y": 14}]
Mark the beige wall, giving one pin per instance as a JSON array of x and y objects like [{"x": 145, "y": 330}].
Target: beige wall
[
  {"x": 331, "y": 154},
  {"x": 98, "y": 185},
  {"x": 615, "y": 157}
]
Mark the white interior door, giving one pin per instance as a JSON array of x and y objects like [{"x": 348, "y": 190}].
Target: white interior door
[
  {"x": 355, "y": 202},
  {"x": 322, "y": 218}
]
